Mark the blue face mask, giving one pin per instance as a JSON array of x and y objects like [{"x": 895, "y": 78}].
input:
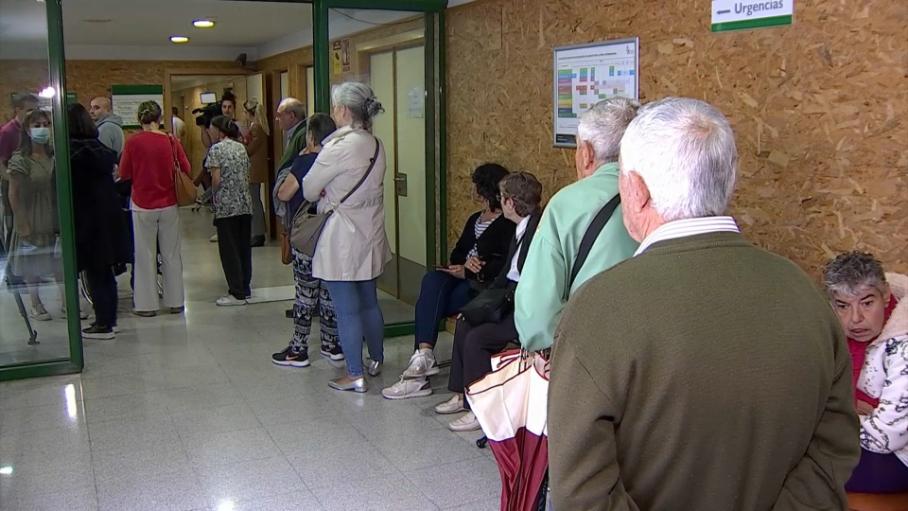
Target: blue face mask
[{"x": 40, "y": 135}]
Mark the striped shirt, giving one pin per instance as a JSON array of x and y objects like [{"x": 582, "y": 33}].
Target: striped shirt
[
  {"x": 478, "y": 228},
  {"x": 688, "y": 227}
]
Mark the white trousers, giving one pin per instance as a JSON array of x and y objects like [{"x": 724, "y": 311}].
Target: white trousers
[{"x": 154, "y": 231}]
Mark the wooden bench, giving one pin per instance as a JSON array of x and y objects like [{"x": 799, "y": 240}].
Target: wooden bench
[{"x": 876, "y": 502}]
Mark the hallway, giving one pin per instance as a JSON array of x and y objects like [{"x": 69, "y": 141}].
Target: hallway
[{"x": 188, "y": 413}]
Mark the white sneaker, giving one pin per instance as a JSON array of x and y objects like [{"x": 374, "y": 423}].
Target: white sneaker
[
  {"x": 405, "y": 389},
  {"x": 230, "y": 301},
  {"x": 213, "y": 238},
  {"x": 466, "y": 423},
  {"x": 453, "y": 405},
  {"x": 422, "y": 364}
]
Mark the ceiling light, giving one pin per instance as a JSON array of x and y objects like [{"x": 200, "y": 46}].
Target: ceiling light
[
  {"x": 47, "y": 92},
  {"x": 179, "y": 39},
  {"x": 203, "y": 23},
  {"x": 6, "y": 470}
]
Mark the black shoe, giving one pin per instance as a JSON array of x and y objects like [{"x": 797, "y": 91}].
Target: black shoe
[
  {"x": 104, "y": 333},
  {"x": 288, "y": 313},
  {"x": 257, "y": 241},
  {"x": 334, "y": 353},
  {"x": 289, "y": 358}
]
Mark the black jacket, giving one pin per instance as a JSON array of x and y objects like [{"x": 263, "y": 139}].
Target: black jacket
[
  {"x": 492, "y": 247},
  {"x": 102, "y": 235},
  {"x": 501, "y": 281}
]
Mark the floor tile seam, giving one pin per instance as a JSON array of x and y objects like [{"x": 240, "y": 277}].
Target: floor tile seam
[
  {"x": 362, "y": 482},
  {"x": 432, "y": 466},
  {"x": 287, "y": 459}
]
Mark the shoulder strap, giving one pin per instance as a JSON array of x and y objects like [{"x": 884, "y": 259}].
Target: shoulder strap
[
  {"x": 365, "y": 176},
  {"x": 591, "y": 234}
]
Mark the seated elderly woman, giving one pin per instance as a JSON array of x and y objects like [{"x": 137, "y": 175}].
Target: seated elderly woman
[
  {"x": 476, "y": 342},
  {"x": 873, "y": 309},
  {"x": 475, "y": 261}
]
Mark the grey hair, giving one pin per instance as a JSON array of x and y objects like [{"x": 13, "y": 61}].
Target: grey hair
[
  {"x": 603, "y": 126},
  {"x": 359, "y": 98},
  {"x": 851, "y": 270},
  {"x": 294, "y": 106},
  {"x": 684, "y": 149}
]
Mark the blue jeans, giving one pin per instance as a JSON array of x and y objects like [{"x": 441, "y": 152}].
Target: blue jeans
[
  {"x": 440, "y": 296},
  {"x": 878, "y": 473},
  {"x": 358, "y": 318}
]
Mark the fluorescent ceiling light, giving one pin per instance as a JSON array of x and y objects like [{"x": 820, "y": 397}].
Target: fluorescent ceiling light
[
  {"x": 179, "y": 39},
  {"x": 203, "y": 23}
]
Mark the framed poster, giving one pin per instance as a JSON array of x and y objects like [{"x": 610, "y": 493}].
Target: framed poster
[
  {"x": 126, "y": 99},
  {"x": 586, "y": 74}
]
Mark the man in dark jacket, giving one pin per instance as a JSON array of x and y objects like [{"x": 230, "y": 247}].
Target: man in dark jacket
[{"x": 704, "y": 373}]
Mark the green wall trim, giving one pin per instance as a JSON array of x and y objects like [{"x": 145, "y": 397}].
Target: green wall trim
[
  {"x": 442, "y": 142},
  {"x": 390, "y": 5},
  {"x": 56, "y": 61},
  {"x": 320, "y": 49},
  {"x": 136, "y": 89},
  {"x": 757, "y": 23},
  {"x": 399, "y": 329},
  {"x": 38, "y": 370}
]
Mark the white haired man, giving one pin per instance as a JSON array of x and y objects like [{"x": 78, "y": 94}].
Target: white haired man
[
  {"x": 549, "y": 267},
  {"x": 703, "y": 373},
  {"x": 291, "y": 117}
]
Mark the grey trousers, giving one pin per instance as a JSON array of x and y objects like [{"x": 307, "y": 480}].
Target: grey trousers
[
  {"x": 155, "y": 231},
  {"x": 258, "y": 210}
]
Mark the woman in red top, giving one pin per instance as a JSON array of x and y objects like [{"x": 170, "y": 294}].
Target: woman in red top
[{"x": 148, "y": 161}]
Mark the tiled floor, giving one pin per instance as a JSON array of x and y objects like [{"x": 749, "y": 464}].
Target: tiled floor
[{"x": 188, "y": 413}]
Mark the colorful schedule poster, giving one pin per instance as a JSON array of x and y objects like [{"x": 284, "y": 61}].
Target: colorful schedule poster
[{"x": 586, "y": 74}]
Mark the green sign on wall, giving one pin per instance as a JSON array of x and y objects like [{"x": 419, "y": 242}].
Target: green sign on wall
[{"x": 744, "y": 14}]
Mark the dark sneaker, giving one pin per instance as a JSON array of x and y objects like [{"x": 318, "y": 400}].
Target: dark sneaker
[
  {"x": 290, "y": 358},
  {"x": 334, "y": 353},
  {"x": 104, "y": 333}
]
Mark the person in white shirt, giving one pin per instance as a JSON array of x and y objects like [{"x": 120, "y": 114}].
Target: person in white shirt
[
  {"x": 179, "y": 127},
  {"x": 474, "y": 344}
]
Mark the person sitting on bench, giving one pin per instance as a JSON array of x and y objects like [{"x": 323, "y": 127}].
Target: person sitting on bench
[
  {"x": 874, "y": 313},
  {"x": 474, "y": 344}
]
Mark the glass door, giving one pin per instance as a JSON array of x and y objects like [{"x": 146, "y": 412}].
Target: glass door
[
  {"x": 394, "y": 51},
  {"x": 39, "y": 306}
]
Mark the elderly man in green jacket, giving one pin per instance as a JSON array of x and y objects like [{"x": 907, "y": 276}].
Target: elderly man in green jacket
[
  {"x": 291, "y": 117},
  {"x": 546, "y": 287},
  {"x": 703, "y": 373}
]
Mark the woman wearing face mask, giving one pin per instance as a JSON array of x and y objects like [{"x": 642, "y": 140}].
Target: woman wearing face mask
[
  {"x": 34, "y": 205},
  {"x": 229, "y": 166}
]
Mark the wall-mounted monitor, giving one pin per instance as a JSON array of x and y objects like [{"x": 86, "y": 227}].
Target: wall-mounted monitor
[
  {"x": 586, "y": 74},
  {"x": 209, "y": 97}
]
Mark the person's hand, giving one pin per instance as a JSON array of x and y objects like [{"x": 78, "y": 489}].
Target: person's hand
[
  {"x": 474, "y": 264},
  {"x": 863, "y": 407},
  {"x": 455, "y": 270}
]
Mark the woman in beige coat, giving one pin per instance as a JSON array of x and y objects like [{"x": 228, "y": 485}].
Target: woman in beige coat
[
  {"x": 257, "y": 147},
  {"x": 353, "y": 248}
]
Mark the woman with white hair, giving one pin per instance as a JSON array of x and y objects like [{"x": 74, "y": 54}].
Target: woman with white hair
[{"x": 353, "y": 248}]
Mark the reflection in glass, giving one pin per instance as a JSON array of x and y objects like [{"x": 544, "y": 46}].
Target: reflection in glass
[
  {"x": 385, "y": 50},
  {"x": 33, "y": 327}
]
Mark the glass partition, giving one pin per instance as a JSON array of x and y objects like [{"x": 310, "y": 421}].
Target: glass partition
[
  {"x": 39, "y": 309},
  {"x": 391, "y": 50}
]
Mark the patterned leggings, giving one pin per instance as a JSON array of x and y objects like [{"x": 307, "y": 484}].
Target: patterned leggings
[{"x": 311, "y": 295}]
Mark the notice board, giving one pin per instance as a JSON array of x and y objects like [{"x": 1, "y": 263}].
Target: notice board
[
  {"x": 127, "y": 98},
  {"x": 586, "y": 74}
]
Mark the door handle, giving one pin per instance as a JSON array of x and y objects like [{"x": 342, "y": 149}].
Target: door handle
[{"x": 400, "y": 184}]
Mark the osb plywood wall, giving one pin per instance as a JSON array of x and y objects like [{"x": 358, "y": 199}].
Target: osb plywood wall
[{"x": 819, "y": 108}]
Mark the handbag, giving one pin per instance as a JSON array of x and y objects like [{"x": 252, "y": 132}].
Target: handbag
[
  {"x": 306, "y": 228},
  {"x": 185, "y": 189},
  {"x": 492, "y": 305},
  {"x": 286, "y": 254}
]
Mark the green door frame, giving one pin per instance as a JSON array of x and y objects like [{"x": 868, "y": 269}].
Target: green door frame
[
  {"x": 436, "y": 216},
  {"x": 57, "y": 80}
]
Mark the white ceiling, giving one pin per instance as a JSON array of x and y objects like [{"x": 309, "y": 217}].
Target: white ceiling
[{"x": 138, "y": 29}]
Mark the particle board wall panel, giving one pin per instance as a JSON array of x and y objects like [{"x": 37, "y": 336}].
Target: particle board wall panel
[{"x": 818, "y": 108}]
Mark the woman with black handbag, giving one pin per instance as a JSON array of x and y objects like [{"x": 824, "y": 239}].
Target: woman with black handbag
[
  {"x": 347, "y": 181},
  {"x": 486, "y": 324}
]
